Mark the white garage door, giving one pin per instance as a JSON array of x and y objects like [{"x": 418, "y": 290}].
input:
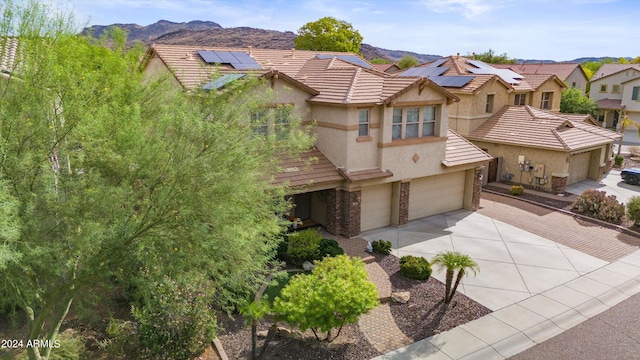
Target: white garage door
[
  {"x": 436, "y": 194},
  {"x": 375, "y": 208},
  {"x": 579, "y": 167}
]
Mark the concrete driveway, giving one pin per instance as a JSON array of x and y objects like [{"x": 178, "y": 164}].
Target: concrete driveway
[{"x": 612, "y": 184}]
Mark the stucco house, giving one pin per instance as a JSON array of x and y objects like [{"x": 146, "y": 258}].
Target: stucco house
[
  {"x": 384, "y": 152},
  {"x": 544, "y": 149},
  {"x": 571, "y": 73},
  {"x": 484, "y": 89},
  {"x": 616, "y": 90}
]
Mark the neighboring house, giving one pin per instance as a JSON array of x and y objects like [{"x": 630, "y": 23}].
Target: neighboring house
[
  {"x": 388, "y": 68},
  {"x": 571, "y": 73},
  {"x": 384, "y": 153},
  {"x": 616, "y": 91},
  {"x": 543, "y": 149},
  {"x": 483, "y": 89}
]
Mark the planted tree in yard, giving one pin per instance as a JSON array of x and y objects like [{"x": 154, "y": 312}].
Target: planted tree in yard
[
  {"x": 336, "y": 293},
  {"x": 574, "y": 101},
  {"x": 452, "y": 262},
  {"x": 112, "y": 180}
]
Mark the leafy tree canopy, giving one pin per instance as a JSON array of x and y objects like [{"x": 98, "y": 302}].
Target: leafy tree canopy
[
  {"x": 408, "y": 61},
  {"x": 490, "y": 57},
  {"x": 380, "y": 61},
  {"x": 328, "y": 34},
  {"x": 574, "y": 101}
]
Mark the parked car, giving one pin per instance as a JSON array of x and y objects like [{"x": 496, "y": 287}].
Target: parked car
[{"x": 631, "y": 176}]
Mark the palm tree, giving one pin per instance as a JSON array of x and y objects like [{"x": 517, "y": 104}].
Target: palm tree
[{"x": 454, "y": 261}]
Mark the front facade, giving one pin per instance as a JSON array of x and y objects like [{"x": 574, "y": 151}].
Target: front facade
[
  {"x": 384, "y": 152},
  {"x": 615, "y": 89}
]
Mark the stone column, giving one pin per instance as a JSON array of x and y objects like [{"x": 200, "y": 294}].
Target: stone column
[
  {"x": 334, "y": 211},
  {"x": 558, "y": 183},
  {"x": 405, "y": 188},
  {"x": 351, "y": 201},
  {"x": 478, "y": 174}
]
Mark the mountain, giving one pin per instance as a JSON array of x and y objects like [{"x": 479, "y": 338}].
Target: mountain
[{"x": 148, "y": 33}]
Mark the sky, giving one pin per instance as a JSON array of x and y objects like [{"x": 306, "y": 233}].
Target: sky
[{"x": 559, "y": 30}]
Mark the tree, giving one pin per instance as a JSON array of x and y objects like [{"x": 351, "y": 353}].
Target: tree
[
  {"x": 336, "y": 293},
  {"x": 114, "y": 177},
  {"x": 574, "y": 101},
  {"x": 490, "y": 57},
  {"x": 408, "y": 61},
  {"x": 380, "y": 61},
  {"x": 454, "y": 261},
  {"x": 328, "y": 34}
]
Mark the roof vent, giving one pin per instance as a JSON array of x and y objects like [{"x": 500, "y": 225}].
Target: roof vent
[
  {"x": 293, "y": 52},
  {"x": 249, "y": 48}
]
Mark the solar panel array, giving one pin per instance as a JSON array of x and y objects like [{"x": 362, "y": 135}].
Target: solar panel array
[
  {"x": 506, "y": 74},
  {"x": 424, "y": 71},
  {"x": 451, "y": 81},
  {"x": 438, "y": 62},
  {"x": 480, "y": 64},
  {"x": 353, "y": 59},
  {"x": 237, "y": 59},
  {"x": 222, "y": 81}
]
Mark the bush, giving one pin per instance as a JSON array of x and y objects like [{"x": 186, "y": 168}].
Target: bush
[
  {"x": 329, "y": 247},
  {"x": 633, "y": 209},
  {"x": 415, "y": 267},
  {"x": 516, "y": 190},
  {"x": 618, "y": 160},
  {"x": 381, "y": 247},
  {"x": 597, "y": 204},
  {"x": 304, "y": 246}
]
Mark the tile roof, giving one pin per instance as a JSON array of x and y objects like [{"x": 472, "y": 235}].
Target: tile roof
[
  {"x": 561, "y": 69},
  {"x": 8, "y": 50},
  {"x": 610, "y": 104},
  {"x": 310, "y": 168},
  {"x": 366, "y": 174},
  {"x": 610, "y": 69},
  {"x": 460, "y": 151},
  {"x": 532, "y": 127},
  {"x": 532, "y": 82}
]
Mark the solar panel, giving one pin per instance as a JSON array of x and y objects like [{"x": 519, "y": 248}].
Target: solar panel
[
  {"x": 451, "y": 81},
  {"x": 237, "y": 59},
  {"x": 424, "y": 71},
  {"x": 479, "y": 64},
  {"x": 438, "y": 62},
  {"x": 222, "y": 81},
  {"x": 353, "y": 59},
  {"x": 506, "y": 74}
]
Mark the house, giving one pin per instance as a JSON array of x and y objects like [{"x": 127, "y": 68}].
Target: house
[
  {"x": 616, "y": 90},
  {"x": 384, "y": 153},
  {"x": 483, "y": 89},
  {"x": 388, "y": 68},
  {"x": 544, "y": 149},
  {"x": 571, "y": 73}
]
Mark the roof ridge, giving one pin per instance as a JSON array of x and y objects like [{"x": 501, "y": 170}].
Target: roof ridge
[
  {"x": 352, "y": 87},
  {"x": 557, "y": 135}
]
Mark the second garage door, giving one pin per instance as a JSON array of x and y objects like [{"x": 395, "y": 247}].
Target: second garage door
[
  {"x": 375, "y": 207},
  {"x": 579, "y": 167},
  {"x": 436, "y": 194}
]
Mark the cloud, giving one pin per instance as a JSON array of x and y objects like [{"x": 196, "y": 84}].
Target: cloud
[{"x": 468, "y": 8}]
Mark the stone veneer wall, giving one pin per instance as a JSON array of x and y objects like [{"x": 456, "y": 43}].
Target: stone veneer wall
[
  {"x": 558, "y": 184},
  {"x": 343, "y": 212},
  {"x": 405, "y": 188},
  {"x": 334, "y": 211},
  {"x": 477, "y": 187}
]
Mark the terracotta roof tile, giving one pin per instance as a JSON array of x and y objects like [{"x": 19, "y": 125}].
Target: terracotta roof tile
[
  {"x": 610, "y": 69},
  {"x": 366, "y": 174},
  {"x": 610, "y": 104},
  {"x": 312, "y": 167},
  {"x": 528, "y": 126},
  {"x": 460, "y": 151},
  {"x": 8, "y": 50},
  {"x": 561, "y": 69}
]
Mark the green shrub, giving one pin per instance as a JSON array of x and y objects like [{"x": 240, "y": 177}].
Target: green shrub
[
  {"x": 516, "y": 190},
  {"x": 381, "y": 247},
  {"x": 618, "y": 160},
  {"x": 597, "y": 204},
  {"x": 633, "y": 209},
  {"x": 304, "y": 246},
  {"x": 329, "y": 247},
  {"x": 415, "y": 267}
]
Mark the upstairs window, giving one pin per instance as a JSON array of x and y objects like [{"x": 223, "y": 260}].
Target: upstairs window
[
  {"x": 489, "y": 106},
  {"x": 520, "y": 99},
  {"x": 282, "y": 121},
  {"x": 615, "y": 89},
  {"x": 259, "y": 122},
  {"x": 603, "y": 88},
  {"x": 363, "y": 122},
  {"x": 272, "y": 121},
  {"x": 634, "y": 94},
  {"x": 547, "y": 99},
  {"x": 413, "y": 122}
]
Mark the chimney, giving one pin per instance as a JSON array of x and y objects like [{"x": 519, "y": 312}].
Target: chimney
[{"x": 293, "y": 52}]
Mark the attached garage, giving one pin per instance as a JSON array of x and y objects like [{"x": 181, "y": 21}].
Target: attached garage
[
  {"x": 579, "y": 167},
  {"x": 436, "y": 194},
  {"x": 375, "y": 207}
]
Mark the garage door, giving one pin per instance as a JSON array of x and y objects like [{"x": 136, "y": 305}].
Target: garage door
[
  {"x": 579, "y": 167},
  {"x": 375, "y": 207},
  {"x": 436, "y": 194}
]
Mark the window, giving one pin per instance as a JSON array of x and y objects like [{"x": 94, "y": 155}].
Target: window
[
  {"x": 615, "y": 89},
  {"x": 603, "y": 88},
  {"x": 546, "y": 101},
  {"x": 573, "y": 84},
  {"x": 272, "y": 121},
  {"x": 429, "y": 121},
  {"x": 520, "y": 99},
  {"x": 489, "y": 106},
  {"x": 413, "y": 122},
  {"x": 363, "y": 122},
  {"x": 634, "y": 93}
]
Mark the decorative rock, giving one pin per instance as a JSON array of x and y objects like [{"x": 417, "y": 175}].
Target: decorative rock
[
  {"x": 262, "y": 333},
  {"x": 283, "y": 330},
  {"x": 308, "y": 266},
  {"x": 401, "y": 297}
]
